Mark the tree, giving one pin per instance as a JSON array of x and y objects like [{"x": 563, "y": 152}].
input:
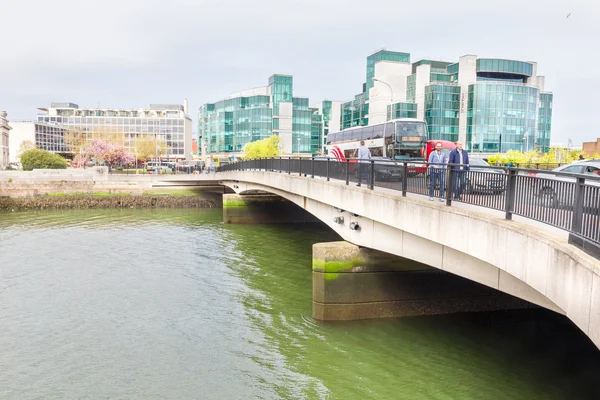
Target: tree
[
  {"x": 41, "y": 159},
  {"x": 268, "y": 147},
  {"x": 110, "y": 153},
  {"x": 26, "y": 145},
  {"x": 75, "y": 140},
  {"x": 145, "y": 147},
  {"x": 556, "y": 155}
]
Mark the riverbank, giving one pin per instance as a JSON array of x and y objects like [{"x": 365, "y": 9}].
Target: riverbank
[{"x": 152, "y": 198}]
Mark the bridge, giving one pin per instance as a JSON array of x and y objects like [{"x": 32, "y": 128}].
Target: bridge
[
  {"x": 505, "y": 232},
  {"x": 517, "y": 244}
]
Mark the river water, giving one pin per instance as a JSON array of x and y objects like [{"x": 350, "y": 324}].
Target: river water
[{"x": 172, "y": 304}]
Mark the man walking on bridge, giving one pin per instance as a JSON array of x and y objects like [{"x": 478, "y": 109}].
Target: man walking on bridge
[{"x": 364, "y": 155}]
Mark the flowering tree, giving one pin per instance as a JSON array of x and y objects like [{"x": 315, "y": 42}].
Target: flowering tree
[{"x": 112, "y": 154}]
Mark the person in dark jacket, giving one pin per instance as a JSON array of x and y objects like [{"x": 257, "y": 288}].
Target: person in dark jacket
[{"x": 459, "y": 157}]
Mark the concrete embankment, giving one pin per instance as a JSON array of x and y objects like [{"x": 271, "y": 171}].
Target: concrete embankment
[{"x": 55, "y": 194}]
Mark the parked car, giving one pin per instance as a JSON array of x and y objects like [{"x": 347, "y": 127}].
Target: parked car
[
  {"x": 482, "y": 178},
  {"x": 387, "y": 169},
  {"x": 559, "y": 191}
]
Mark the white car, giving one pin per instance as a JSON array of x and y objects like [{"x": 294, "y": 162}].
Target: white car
[{"x": 559, "y": 190}]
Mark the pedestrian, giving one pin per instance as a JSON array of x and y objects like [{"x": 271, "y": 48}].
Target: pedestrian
[
  {"x": 437, "y": 168},
  {"x": 581, "y": 157},
  {"x": 364, "y": 155},
  {"x": 460, "y": 159}
]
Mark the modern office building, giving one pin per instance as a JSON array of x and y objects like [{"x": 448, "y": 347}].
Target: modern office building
[
  {"x": 43, "y": 135},
  {"x": 330, "y": 110},
  {"x": 226, "y": 126},
  {"x": 4, "y": 140},
  {"x": 490, "y": 104},
  {"x": 170, "y": 123}
]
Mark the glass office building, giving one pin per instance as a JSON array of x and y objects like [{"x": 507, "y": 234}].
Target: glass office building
[
  {"x": 45, "y": 136},
  {"x": 226, "y": 126},
  {"x": 170, "y": 123},
  {"x": 331, "y": 117},
  {"x": 492, "y": 105}
]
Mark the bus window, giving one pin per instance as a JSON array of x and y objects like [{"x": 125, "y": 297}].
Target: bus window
[
  {"x": 367, "y": 133},
  {"x": 347, "y": 135},
  {"x": 376, "y": 152},
  {"x": 378, "y": 131},
  {"x": 351, "y": 153}
]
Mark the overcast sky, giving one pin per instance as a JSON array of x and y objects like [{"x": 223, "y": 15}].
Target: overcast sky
[{"x": 130, "y": 53}]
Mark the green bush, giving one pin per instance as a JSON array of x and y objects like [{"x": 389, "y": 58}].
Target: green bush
[{"x": 41, "y": 159}]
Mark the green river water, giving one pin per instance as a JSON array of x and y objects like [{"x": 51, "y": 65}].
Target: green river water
[{"x": 172, "y": 304}]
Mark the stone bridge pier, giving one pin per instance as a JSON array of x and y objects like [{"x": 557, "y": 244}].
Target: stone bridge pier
[{"x": 350, "y": 283}]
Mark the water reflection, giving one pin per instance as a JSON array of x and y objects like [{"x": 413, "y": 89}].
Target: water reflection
[{"x": 153, "y": 304}]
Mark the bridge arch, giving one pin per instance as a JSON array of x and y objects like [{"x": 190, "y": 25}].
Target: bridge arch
[{"x": 512, "y": 257}]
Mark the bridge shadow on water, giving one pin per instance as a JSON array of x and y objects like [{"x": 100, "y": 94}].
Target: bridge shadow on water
[{"x": 522, "y": 354}]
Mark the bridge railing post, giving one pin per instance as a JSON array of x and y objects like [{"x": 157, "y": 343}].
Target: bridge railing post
[
  {"x": 372, "y": 175},
  {"x": 279, "y": 164},
  {"x": 511, "y": 191},
  {"x": 449, "y": 185},
  {"x": 577, "y": 222},
  {"x": 404, "y": 178},
  {"x": 347, "y": 171},
  {"x": 327, "y": 165},
  {"x": 289, "y": 165},
  {"x": 312, "y": 167},
  {"x": 299, "y": 166}
]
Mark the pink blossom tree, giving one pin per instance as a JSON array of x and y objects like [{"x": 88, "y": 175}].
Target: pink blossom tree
[{"x": 112, "y": 154}]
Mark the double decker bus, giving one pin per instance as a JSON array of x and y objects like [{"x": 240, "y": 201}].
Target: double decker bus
[{"x": 405, "y": 139}]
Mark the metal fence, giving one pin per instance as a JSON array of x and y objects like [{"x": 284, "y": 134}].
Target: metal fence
[{"x": 566, "y": 201}]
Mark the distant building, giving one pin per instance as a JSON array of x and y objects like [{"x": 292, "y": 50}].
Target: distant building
[
  {"x": 490, "y": 104},
  {"x": 226, "y": 126},
  {"x": 170, "y": 123},
  {"x": 43, "y": 135},
  {"x": 4, "y": 138},
  {"x": 330, "y": 110},
  {"x": 591, "y": 148}
]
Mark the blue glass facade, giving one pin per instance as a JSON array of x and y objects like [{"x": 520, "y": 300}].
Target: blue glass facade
[
  {"x": 442, "y": 111},
  {"x": 501, "y": 117},
  {"x": 228, "y": 125},
  {"x": 542, "y": 142},
  {"x": 401, "y": 110}
]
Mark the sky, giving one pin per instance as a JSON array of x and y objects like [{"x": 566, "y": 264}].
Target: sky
[{"x": 130, "y": 53}]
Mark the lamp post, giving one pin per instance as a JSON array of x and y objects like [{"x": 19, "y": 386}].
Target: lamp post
[
  {"x": 384, "y": 150},
  {"x": 298, "y": 146}
]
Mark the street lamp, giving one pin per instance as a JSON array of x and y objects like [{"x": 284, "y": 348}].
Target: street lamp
[{"x": 384, "y": 152}]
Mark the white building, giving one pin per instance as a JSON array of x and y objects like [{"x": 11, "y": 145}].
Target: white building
[
  {"x": 43, "y": 135},
  {"x": 4, "y": 137},
  {"x": 490, "y": 104},
  {"x": 170, "y": 123}
]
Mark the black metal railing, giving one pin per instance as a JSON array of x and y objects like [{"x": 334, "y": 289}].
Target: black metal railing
[{"x": 566, "y": 201}]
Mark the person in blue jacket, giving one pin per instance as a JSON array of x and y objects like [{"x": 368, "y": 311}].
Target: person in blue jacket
[
  {"x": 437, "y": 170},
  {"x": 461, "y": 158}
]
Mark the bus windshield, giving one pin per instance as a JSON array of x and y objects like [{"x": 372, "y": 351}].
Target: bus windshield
[{"x": 410, "y": 131}]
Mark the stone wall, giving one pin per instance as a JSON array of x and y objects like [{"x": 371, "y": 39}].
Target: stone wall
[
  {"x": 19, "y": 189},
  {"x": 86, "y": 201}
]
